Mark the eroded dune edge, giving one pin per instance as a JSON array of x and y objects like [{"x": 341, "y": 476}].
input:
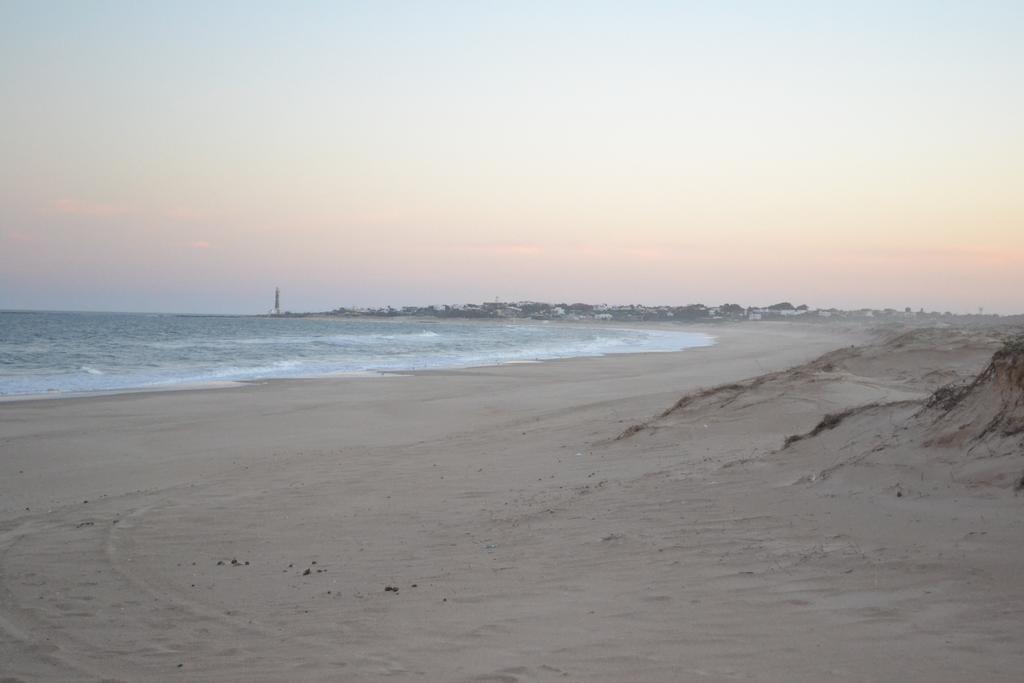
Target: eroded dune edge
[{"x": 796, "y": 503}]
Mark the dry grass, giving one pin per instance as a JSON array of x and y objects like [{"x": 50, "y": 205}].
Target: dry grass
[
  {"x": 830, "y": 421},
  {"x": 1012, "y": 348}
]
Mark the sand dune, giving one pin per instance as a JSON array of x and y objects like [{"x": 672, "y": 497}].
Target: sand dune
[
  {"x": 617, "y": 519},
  {"x": 970, "y": 431}
]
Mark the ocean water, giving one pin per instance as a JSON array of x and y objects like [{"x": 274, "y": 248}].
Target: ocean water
[{"x": 48, "y": 352}]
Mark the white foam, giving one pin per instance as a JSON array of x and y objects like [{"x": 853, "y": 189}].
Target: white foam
[{"x": 118, "y": 354}]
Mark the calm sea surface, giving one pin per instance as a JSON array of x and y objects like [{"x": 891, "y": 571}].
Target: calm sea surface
[{"x": 46, "y": 352}]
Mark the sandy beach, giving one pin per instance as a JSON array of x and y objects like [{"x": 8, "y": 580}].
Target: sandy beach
[{"x": 625, "y": 518}]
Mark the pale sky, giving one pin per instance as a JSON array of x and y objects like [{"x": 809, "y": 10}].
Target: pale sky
[{"x": 191, "y": 156}]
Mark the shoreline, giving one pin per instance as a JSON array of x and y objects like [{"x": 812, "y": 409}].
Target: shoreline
[
  {"x": 230, "y": 384},
  {"x": 739, "y": 350},
  {"x": 625, "y": 517},
  {"x": 710, "y": 330}
]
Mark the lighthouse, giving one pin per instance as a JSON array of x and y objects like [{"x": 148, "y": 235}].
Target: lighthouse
[{"x": 277, "y": 301}]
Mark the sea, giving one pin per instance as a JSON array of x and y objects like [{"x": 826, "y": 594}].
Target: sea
[{"x": 68, "y": 353}]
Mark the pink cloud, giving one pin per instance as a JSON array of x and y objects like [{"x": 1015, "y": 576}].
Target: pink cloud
[
  {"x": 20, "y": 236},
  {"x": 957, "y": 255},
  {"x": 651, "y": 252},
  {"x": 509, "y": 248},
  {"x": 184, "y": 213},
  {"x": 648, "y": 253},
  {"x": 200, "y": 245},
  {"x": 75, "y": 207}
]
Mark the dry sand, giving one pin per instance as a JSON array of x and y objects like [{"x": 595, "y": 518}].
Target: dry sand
[{"x": 254, "y": 534}]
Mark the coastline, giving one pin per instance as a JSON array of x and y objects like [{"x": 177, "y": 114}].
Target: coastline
[
  {"x": 235, "y": 383},
  {"x": 548, "y": 521}
]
